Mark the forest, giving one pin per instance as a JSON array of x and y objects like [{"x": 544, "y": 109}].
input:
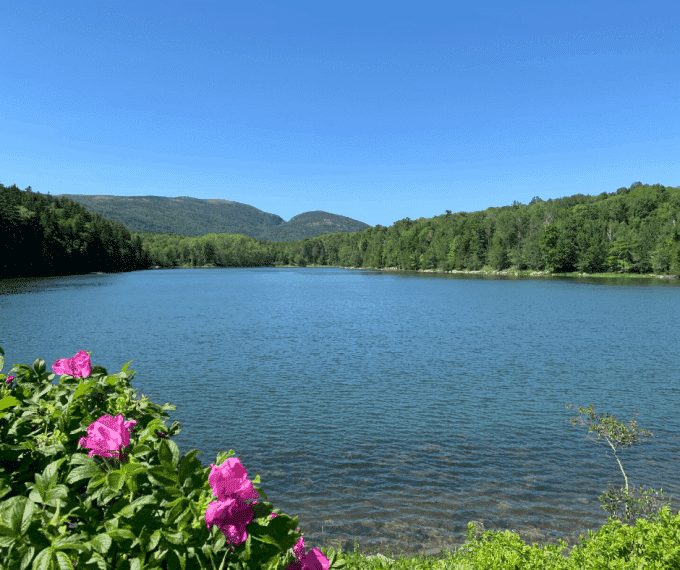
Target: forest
[
  {"x": 198, "y": 217},
  {"x": 632, "y": 230},
  {"x": 42, "y": 235}
]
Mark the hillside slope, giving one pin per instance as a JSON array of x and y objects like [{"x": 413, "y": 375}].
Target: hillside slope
[{"x": 196, "y": 217}]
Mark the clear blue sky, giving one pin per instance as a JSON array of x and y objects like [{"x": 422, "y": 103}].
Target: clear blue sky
[{"x": 370, "y": 110}]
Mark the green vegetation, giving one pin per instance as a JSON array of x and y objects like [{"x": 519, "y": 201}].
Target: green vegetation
[
  {"x": 42, "y": 235},
  {"x": 194, "y": 217},
  {"x": 144, "y": 506},
  {"x": 633, "y": 231}
]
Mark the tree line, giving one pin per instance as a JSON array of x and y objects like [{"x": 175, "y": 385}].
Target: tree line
[
  {"x": 42, "y": 235},
  {"x": 632, "y": 230}
]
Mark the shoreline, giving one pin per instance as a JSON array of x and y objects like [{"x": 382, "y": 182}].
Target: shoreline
[
  {"x": 487, "y": 272},
  {"x": 508, "y": 272}
]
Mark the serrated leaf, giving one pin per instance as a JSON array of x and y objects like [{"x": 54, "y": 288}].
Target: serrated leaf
[
  {"x": 155, "y": 538},
  {"x": 50, "y": 472},
  {"x": 84, "y": 472},
  {"x": 173, "y": 537},
  {"x": 28, "y": 556},
  {"x": 140, "y": 448},
  {"x": 129, "y": 510},
  {"x": 101, "y": 543},
  {"x": 163, "y": 475},
  {"x": 54, "y": 494},
  {"x": 121, "y": 533},
  {"x": 6, "y": 531},
  {"x": 124, "y": 369},
  {"x": 115, "y": 480},
  {"x": 17, "y": 513},
  {"x": 181, "y": 506},
  {"x": 83, "y": 459},
  {"x": 43, "y": 560},
  {"x": 168, "y": 453}
]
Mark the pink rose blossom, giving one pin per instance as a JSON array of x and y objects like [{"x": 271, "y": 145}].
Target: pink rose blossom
[
  {"x": 230, "y": 479},
  {"x": 78, "y": 366},
  {"x": 108, "y": 435},
  {"x": 231, "y": 516}
]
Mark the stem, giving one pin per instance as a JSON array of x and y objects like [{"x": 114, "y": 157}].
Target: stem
[
  {"x": 622, "y": 471},
  {"x": 617, "y": 459}
]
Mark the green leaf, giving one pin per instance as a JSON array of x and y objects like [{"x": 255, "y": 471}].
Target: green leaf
[
  {"x": 101, "y": 543},
  {"x": 17, "y": 513},
  {"x": 115, "y": 480},
  {"x": 179, "y": 508},
  {"x": 168, "y": 453},
  {"x": 5, "y": 487},
  {"x": 129, "y": 510},
  {"x": 140, "y": 449},
  {"x": 2, "y": 363},
  {"x": 55, "y": 494},
  {"x": 50, "y": 472},
  {"x": 83, "y": 388},
  {"x": 5, "y": 531},
  {"x": 176, "y": 560},
  {"x": 8, "y": 401},
  {"x": 164, "y": 476},
  {"x": 28, "y": 556},
  {"x": 173, "y": 537},
  {"x": 148, "y": 431},
  {"x": 84, "y": 472},
  {"x": 121, "y": 533},
  {"x": 124, "y": 369},
  {"x": 39, "y": 366},
  {"x": 44, "y": 560}
]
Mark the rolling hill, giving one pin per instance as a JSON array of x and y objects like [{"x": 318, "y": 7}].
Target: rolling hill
[{"x": 196, "y": 217}]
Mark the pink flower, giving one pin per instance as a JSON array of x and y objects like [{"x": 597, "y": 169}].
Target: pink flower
[
  {"x": 9, "y": 379},
  {"x": 230, "y": 479},
  {"x": 231, "y": 515},
  {"x": 78, "y": 366},
  {"x": 230, "y": 484},
  {"x": 314, "y": 560},
  {"x": 108, "y": 435}
]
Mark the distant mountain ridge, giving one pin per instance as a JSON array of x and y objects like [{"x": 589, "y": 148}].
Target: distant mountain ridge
[{"x": 193, "y": 217}]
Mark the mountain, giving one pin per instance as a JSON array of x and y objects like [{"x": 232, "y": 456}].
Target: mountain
[{"x": 196, "y": 217}]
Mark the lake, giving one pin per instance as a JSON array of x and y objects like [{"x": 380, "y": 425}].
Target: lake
[{"x": 392, "y": 408}]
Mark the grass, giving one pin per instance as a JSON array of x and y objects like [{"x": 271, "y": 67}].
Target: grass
[{"x": 645, "y": 545}]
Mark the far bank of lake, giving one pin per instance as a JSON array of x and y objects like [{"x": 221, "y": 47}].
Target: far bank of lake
[{"x": 483, "y": 272}]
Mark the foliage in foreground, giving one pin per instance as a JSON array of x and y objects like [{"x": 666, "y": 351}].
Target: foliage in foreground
[
  {"x": 134, "y": 503},
  {"x": 149, "y": 512}
]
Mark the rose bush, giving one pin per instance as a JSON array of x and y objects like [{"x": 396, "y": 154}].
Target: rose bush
[{"x": 131, "y": 502}]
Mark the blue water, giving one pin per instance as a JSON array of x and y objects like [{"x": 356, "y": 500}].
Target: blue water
[{"x": 388, "y": 407}]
